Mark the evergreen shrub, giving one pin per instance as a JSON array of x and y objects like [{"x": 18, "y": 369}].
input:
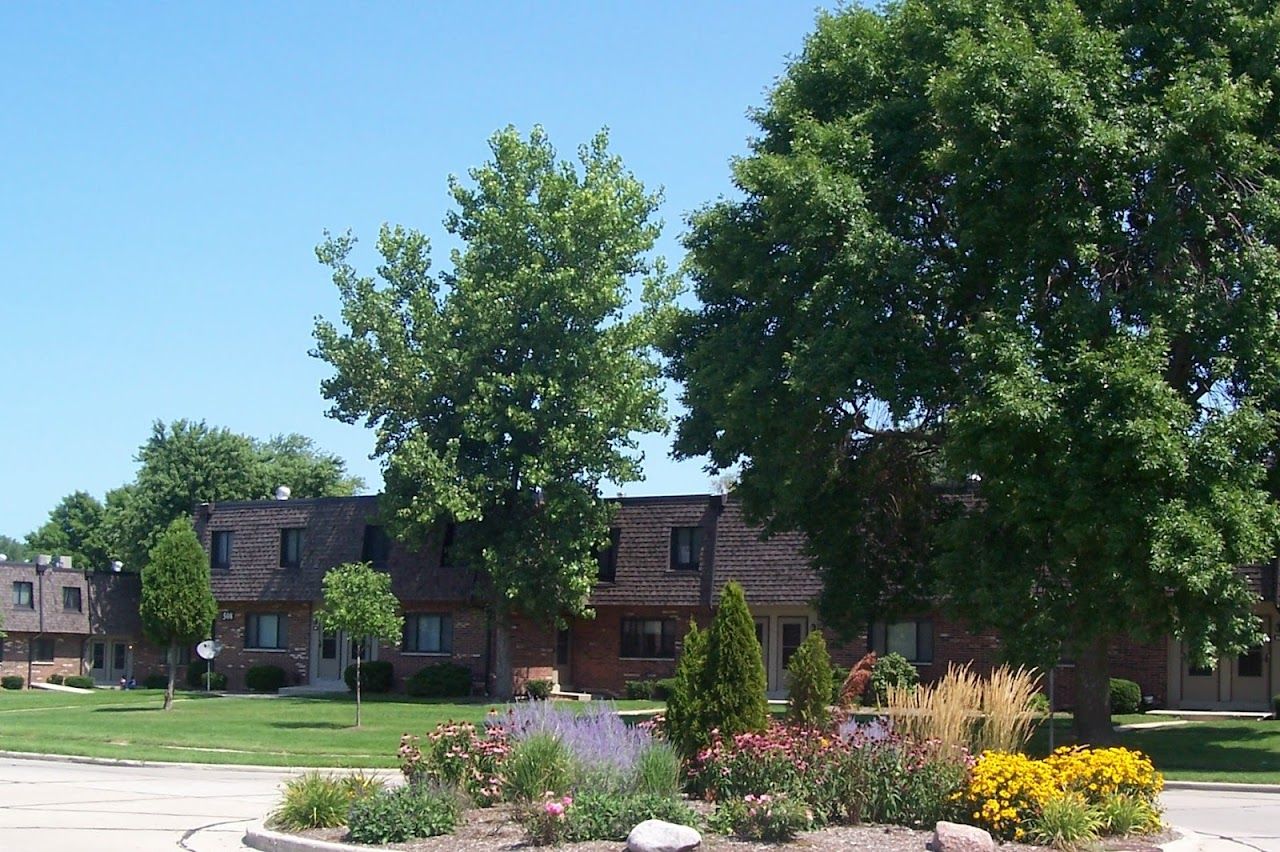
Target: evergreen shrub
[
  {"x": 1126, "y": 697},
  {"x": 375, "y": 676},
  {"x": 733, "y": 679},
  {"x": 809, "y": 683},
  {"x": 442, "y": 680},
  {"x": 155, "y": 680},
  {"x": 79, "y": 681},
  {"x": 266, "y": 678}
]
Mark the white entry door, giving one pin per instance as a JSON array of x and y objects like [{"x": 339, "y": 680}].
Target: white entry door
[{"x": 332, "y": 655}]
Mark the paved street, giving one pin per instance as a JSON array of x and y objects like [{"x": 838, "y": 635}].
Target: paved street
[
  {"x": 54, "y": 806},
  {"x": 1247, "y": 820}
]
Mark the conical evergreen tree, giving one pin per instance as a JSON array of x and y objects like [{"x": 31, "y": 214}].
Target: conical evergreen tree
[
  {"x": 809, "y": 682},
  {"x": 686, "y": 724},
  {"x": 733, "y": 681}
]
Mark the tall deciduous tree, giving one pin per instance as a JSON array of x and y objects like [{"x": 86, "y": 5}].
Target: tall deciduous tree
[
  {"x": 177, "y": 606},
  {"x": 187, "y": 463},
  {"x": 1028, "y": 245},
  {"x": 15, "y": 550},
  {"x": 74, "y": 529},
  {"x": 507, "y": 389},
  {"x": 359, "y": 602}
]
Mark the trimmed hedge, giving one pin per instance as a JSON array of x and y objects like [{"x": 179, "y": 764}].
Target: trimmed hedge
[
  {"x": 538, "y": 690},
  {"x": 267, "y": 678},
  {"x": 11, "y": 682},
  {"x": 649, "y": 690},
  {"x": 155, "y": 680},
  {"x": 1126, "y": 697},
  {"x": 442, "y": 680},
  {"x": 79, "y": 681},
  {"x": 375, "y": 676},
  {"x": 55, "y": 679}
]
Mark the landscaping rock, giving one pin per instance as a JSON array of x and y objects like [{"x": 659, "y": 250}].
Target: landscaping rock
[
  {"x": 953, "y": 837},
  {"x": 654, "y": 835}
]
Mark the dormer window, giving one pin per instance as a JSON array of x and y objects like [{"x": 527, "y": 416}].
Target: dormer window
[
  {"x": 608, "y": 558},
  {"x": 686, "y": 548},
  {"x": 220, "y": 550},
  {"x": 291, "y": 548},
  {"x": 377, "y": 547},
  {"x": 446, "y": 545}
]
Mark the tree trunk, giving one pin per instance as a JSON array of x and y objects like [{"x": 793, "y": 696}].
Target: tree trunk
[
  {"x": 1093, "y": 694},
  {"x": 502, "y": 669},
  {"x": 172, "y": 659},
  {"x": 359, "y": 654}
]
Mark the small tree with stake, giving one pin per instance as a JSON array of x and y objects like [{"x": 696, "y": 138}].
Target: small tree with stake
[
  {"x": 177, "y": 606},
  {"x": 358, "y": 601}
]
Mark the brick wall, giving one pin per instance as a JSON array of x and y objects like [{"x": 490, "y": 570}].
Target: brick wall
[
  {"x": 235, "y": 659},
  {"x": 67, "y": 659},
  {"x": 469, "y": 645}
]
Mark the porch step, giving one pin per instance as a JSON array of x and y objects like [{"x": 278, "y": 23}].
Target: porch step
[
  {"x": 313, "y": 689},
  {"x": 57, "y": 687},
  {"x": 1256, "y": 716},
  {"x": 559, "y": 695}
]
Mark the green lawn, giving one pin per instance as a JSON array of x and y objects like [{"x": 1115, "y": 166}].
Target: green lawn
[
  {"x": 1227, "y": 750},
  {"x": 199, "y": 729}
]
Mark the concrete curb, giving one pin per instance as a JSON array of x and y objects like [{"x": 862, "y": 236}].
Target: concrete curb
[
  {"x": 1222, "y": 786},
  {"x": 144, "y": 764},
  {"x": 258, "y": 836},
  {"x": 1186, "y": 841}
]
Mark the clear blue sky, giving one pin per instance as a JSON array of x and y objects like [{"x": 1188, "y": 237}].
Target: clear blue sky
[{"x": 168, "y": 169}]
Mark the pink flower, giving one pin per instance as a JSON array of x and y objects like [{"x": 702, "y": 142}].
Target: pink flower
[{"x": 554, "y": 809}]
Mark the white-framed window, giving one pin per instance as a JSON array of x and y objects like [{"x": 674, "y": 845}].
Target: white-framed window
[
  {"x": 22, "y": 597},
  {"x": 428, "y": 633},
  {"x": 911, "y": 639},
  {"x": 71, "y": 598},
  {"x": 266, "y": 630}
]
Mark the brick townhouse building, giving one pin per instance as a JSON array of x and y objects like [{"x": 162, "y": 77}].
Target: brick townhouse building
[
  {"x": 668, "y": 562},
  {"x": 61, "y": 621}
]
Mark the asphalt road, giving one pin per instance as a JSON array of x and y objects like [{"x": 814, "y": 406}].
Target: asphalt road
[
  {"x": 61, "y": 806},
  {"x": 1230, "y": 821}
]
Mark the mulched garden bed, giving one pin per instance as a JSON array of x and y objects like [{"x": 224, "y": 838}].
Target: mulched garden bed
[{"x": 496, "y": 830}]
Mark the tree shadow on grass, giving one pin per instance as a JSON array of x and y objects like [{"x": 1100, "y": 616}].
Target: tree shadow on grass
[
  {"x": 127, "y": 709},
  {"x": 311, "y": 726}
]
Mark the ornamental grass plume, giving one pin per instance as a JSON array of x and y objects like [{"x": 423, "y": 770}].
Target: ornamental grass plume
[{"x": 963, "y": 710}]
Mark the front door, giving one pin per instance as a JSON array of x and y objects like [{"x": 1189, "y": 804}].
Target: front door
[
  {"x": 564, "y": 657},
  {"x": 330, "y": 656},
  {"x": 1250, "y": 681},
  {"x": 98, "y": 662},
  {"x": 791, "y": 632},
  {"x": 1200, "y": 686}
]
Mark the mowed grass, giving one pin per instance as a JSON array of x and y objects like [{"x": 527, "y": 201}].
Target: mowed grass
[
  {"x": 1238, "y": 751},
  {"x": 267, "y": 731}
]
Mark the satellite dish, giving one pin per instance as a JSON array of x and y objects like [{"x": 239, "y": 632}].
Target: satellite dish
[{"x": 208, "y": 649}]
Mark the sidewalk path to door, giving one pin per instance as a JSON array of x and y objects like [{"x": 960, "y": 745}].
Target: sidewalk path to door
[{"x": 61, "y": 806}]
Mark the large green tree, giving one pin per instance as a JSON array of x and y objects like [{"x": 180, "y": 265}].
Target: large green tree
[
  {"x": 177, "y": 605},
  {"x": 359, "y": 602},
  {"x": 74, "y": 529},
  {"x": 15, "y": 550},
  {"x": 505, "y": 390},
  {"x": 1029, "y": 249},
  {"x": 186, "y": 463}
]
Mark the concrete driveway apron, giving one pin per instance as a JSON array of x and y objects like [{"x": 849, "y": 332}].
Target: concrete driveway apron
[{"x": 1228, "y": 820}]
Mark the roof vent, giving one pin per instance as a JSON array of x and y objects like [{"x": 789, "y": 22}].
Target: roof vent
[
  {"x": 4, "y": 557},
  {"x": 116, "y": 565},
  {"x": 283, "y": 492},
  {"x": 63, "y": 562}
]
